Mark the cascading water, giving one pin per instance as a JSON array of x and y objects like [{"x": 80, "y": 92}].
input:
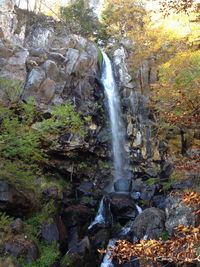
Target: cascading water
[
  {"x": 118, "y": 132},
  {"x": 120, "y": 157}
]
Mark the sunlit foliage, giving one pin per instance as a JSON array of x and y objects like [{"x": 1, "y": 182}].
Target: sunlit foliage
[{"x": 177, "y": 93}]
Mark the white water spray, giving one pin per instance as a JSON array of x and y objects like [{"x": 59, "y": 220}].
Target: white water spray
[{"x": 118, "y": 131}]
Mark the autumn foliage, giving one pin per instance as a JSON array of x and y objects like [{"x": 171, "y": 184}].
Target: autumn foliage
[
  {"x": 178, "y": 6},
  {"x": 182, "y": 247}
]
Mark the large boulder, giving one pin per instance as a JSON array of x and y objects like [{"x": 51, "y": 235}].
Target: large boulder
[
  {"x": 178, "y": 213},
  {"x": 149, "y": 224},
  {"x": 55, "y": 66},
  {"x": 77, "y": 215},
  {"x": 16, "y": 202},
  {"x": 50, "y": 232},
  {"x": 67, "y": 71},
  {"x": 21, "y": 247},
  {"x": 122, "y": 206}
]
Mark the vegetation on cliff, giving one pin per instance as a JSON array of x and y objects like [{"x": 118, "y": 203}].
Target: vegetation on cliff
[{"x": 48, "y": 150}]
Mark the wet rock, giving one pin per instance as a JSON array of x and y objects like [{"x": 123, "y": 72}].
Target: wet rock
[
  {"x": 146, "y": 192},
  {"x": 103, "y": 218},
  {"x": 136, "y": 195},
  {"x": 100, "y": 238},
  {"x": 150, "y": 223},
  {"x": 178, "y": 213},
  {"x": 17, "y": 226},
  {"x": 122, "y": 185},
  {"x": 50, "y": 232},
  {"x": 104, "y": 135},
  {"x": 20, "y": 246},
  {"x": 122, "y": 206},
  {"x": 82, "y": 247},
  {"x": 14, "y": 201},
  {"x": 138, "y": 185}
]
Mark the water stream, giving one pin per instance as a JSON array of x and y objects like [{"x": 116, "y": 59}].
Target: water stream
[{"x": 120, "y": 157}]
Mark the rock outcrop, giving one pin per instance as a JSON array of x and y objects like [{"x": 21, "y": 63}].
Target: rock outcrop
[{"x": 16, "y": 202}]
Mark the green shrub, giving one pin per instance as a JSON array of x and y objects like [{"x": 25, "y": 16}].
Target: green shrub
[
  {"x": 34, "y": 223},
  {"x": 5, "y": 221},
  {"x": 67, "y": 261},
  {"x": 48, "y": 255},
  {"x": 12, "y": 89},
  {"x": 63, "y": 117},
  {"x": 19, "y": 141}
]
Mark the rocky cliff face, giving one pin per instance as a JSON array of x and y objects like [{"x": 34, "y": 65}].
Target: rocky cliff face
[{"x": 56, "y": 67}]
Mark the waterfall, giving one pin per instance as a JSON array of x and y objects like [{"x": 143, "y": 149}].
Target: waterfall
[
  {"x": 107, "y": 260},
  {"x": 104, "y": 215},
  {"x": 118, "y": 132}
]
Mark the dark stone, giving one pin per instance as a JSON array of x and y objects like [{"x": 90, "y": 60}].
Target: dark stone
[
  {"x": 88, "y": 201},
  {"x": 122, "y": 185},
  {"x": 148, "y": 192},
  {"x": 103, "y": 218},
  {"x": 77, "y": 215},
  {"x": 166, "y": 170},
  {"x": 52, "y": 192},
  {"x": 151, "y": 172},
  {"x": 100, "y": 238},
  {"x": 14, "y": 201},
  {"x": 162, "y": 148},
  {"x": 32, "y": 253},
  {"x": 150, "y": 223},
  {"x": 85, "y": 188},
  {"x": 138, "y": 185},
  {"x": 61, "y": 229},
  {"x": 50, "y": 232},
  {"x": 159, "y": 201},
  {"x": 21, "y": 247},
  {"x": 182, "y": 184},
  {"x": 136, "y": 195},
  {"x": 82, "y": 247},
  {"x": 125, "y": 233},
  {"x": 17, "y": 226},
  {"x": 122, "y": 206},
  {"x": 104, "y": 136},
  {"x": 72, "y": 237}
]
